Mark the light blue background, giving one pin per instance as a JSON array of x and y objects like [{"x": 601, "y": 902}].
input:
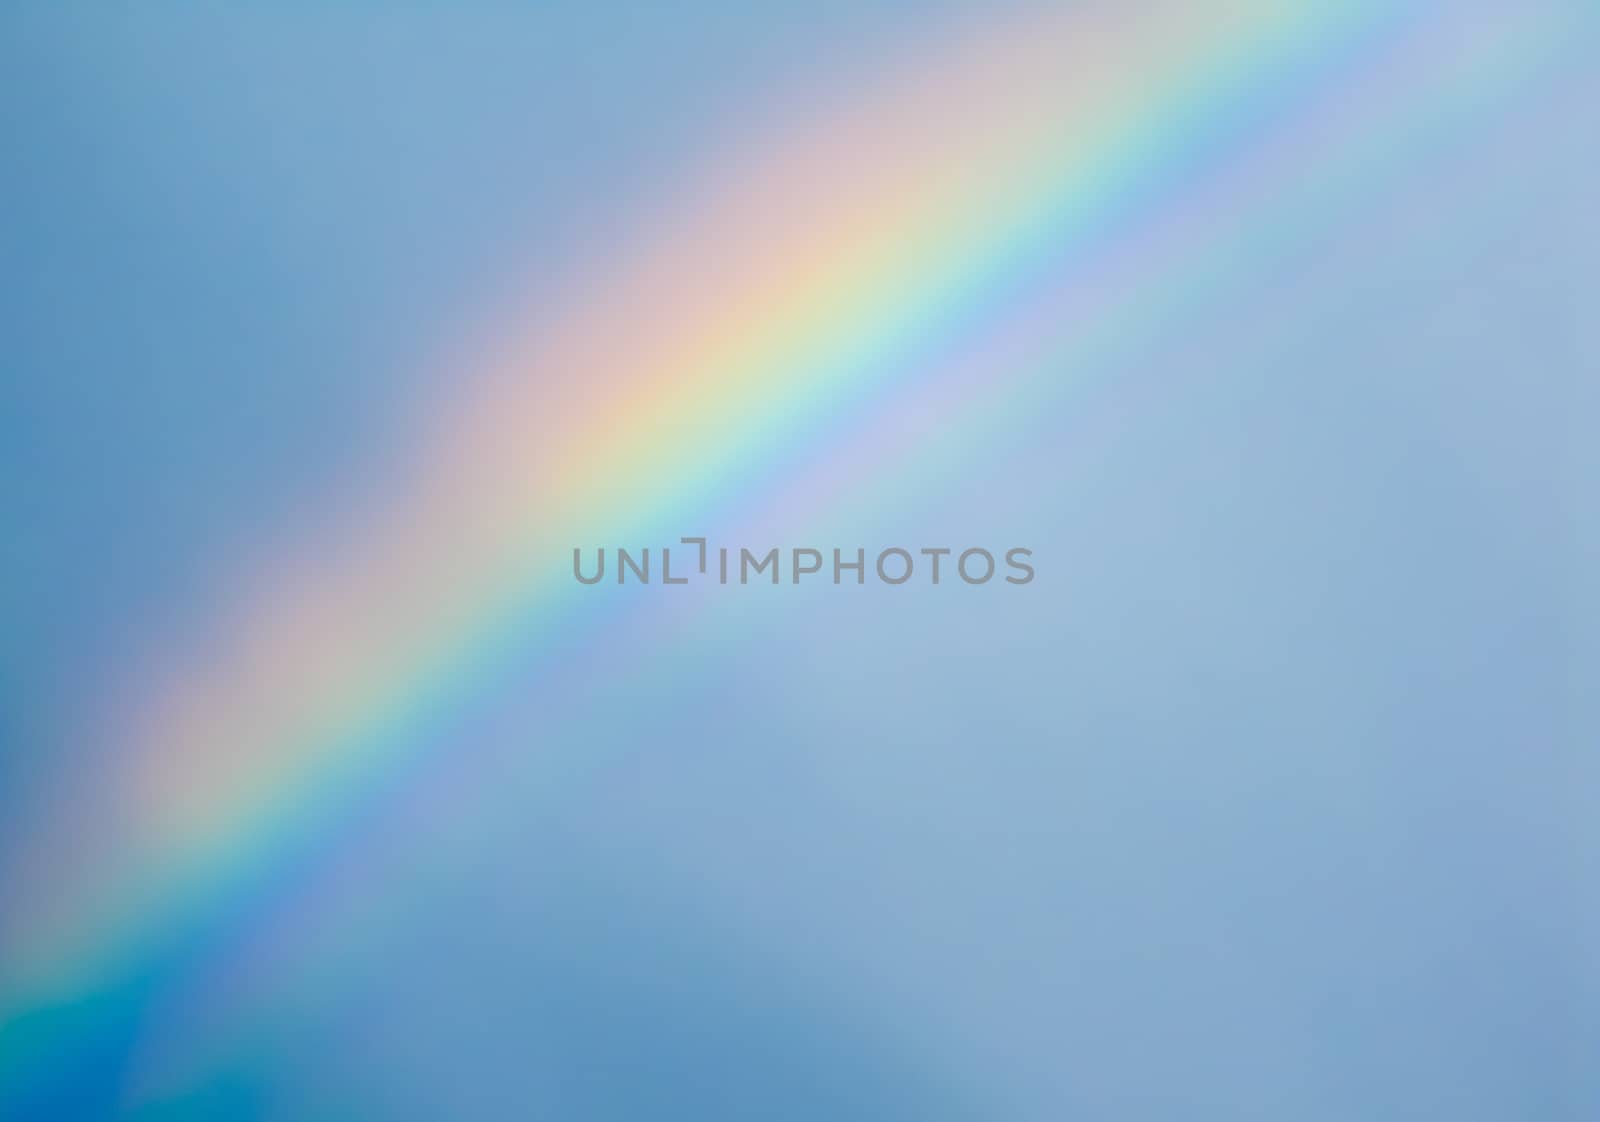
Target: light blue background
[{"x": 1274, "y": 797}]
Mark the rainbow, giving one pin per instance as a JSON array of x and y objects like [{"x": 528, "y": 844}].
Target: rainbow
[{"x": 777, "y": 309}]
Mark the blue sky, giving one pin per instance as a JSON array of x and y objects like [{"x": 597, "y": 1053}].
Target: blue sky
[{"x": 1274, "y": 799}]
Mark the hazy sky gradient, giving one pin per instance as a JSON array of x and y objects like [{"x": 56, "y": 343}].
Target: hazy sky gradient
[{"x": 1274, "y": 797}]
